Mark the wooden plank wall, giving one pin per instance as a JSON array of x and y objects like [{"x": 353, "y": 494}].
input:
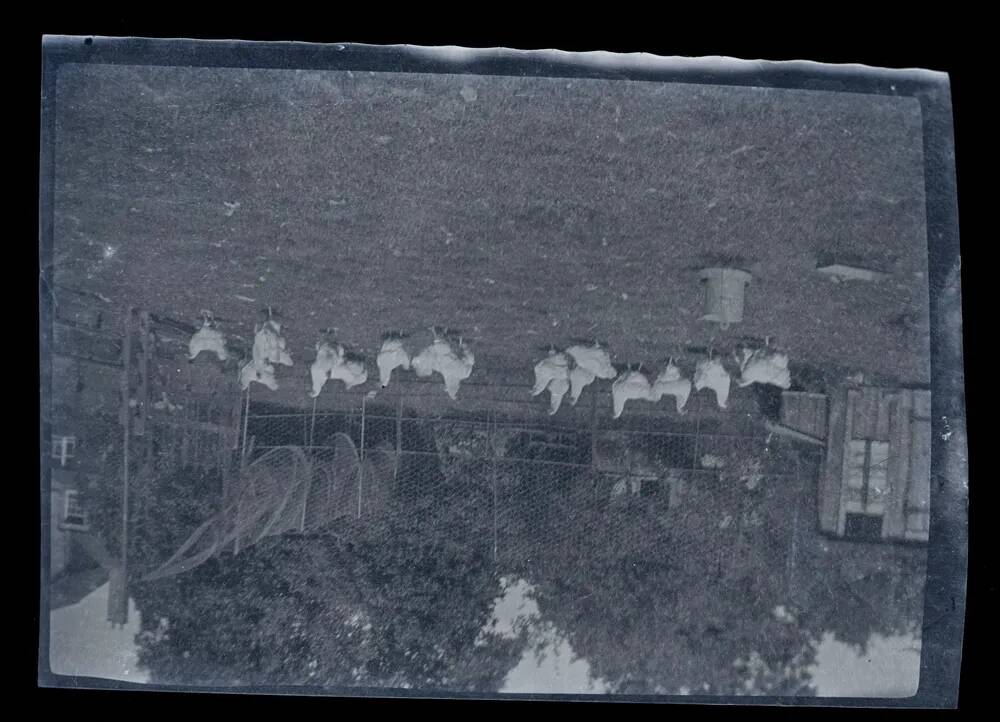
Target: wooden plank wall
[
  {"x": 918, "y": 488},
  {"x": 828, "y": 496},
  {"x": 902, "y": 418},
  {"x": 872, "y": 413},
  {"x": 894, "y": 526},
  {"x": 805, "y": 412},
  {"x": 117, "y": 596},
  {"x": 855, "y": 400}
]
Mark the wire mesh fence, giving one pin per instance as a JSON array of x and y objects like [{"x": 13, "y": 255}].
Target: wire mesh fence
[
  {"x": 533, "y": 490},
  {"x": 527, "y": 486}
]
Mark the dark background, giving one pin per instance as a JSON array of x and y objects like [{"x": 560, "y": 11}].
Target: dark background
[
  {"x": 523, "y": 211},
  {"x": 945, "y": 44}
]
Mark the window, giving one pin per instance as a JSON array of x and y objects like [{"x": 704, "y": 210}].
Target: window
[
  {"x": 917, "y": 525},
  {"x": 863, "y": 527},
  {"x": 63, "y": 448},
  {"x": 650, "y": 487},
  {"x": 868, "y": 473},
  {"x": 74, "y": 515}
]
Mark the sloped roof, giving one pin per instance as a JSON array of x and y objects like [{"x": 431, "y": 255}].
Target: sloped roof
[{"x": 72, "y": 588}]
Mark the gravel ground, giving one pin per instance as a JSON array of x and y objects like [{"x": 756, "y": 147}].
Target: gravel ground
[{"x": 522, "y": 211}]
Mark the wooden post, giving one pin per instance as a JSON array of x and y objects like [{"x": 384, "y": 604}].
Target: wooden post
[
  {"x": 186, "y": 439},
  {"x": 899, "y": 469},
  {"x": 845, "y": 453},
  {"x": 363, "y": 400},
  {"x": 307, "y": 481},
  {"x": 236, "y": 418},
  {"x": 399, "y": 434},
  {"x": 196, "y": 447},
  {"x": 312, "y": 424},
  {"x": 225, "y": 456},
  {"x": 360, "y": 479},
  {"x": 231, "y": 442},
  {"x": 361, "y": 465},
  {"x": 831, "y": 472},
  {"x": 493, "y": 480},
  {"x": 142, "y": 396},
  {"x": 330, "y": 481},
  {"x": 793, "y": 546},
  {"x": 593, "y": 427},
  {"x": 126, "y": 418},
  {"x": 236, "y": 523},
  {"x": 148, "y": 432},
  {"x": 695, "y": 462},
  {"x": 246, "y": 419}
]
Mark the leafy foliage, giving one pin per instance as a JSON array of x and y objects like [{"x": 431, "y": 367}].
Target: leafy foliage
[
  {"x": 399, "y": 602},
  {"x": 657, "y": 596},
  {"x": 650, "y": 612},
  {"x": 708, "y": 595}
]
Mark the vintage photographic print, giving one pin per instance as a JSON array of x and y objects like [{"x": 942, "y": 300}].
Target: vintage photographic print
[{"x": 401, "y": 371}]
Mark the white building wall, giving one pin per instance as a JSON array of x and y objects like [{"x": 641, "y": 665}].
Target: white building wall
[{"x": 59, "y": 539}]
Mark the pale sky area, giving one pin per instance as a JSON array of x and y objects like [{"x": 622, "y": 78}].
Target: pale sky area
[
  {"x": 548, "y": 664},
  {"x": 889, "y": 668},
  {"x": 82, "y": 641}
]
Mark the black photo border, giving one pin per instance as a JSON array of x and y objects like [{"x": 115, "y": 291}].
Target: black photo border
[{"x": 947, "y": 565}]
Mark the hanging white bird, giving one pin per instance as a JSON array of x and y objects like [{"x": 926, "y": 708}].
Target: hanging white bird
[
  {"x": 351, "y": 371},
  {"x": 555, "y": 365},
  {"x": 579, "y": 379},
  {"x": 630, "y": 385},
  {"x": 590, "y": 363},
  {"x": 552, "y": 373},
  {"x": 428, "y": 361},
  {"x": 331, "y": 363},
  {"x": 391, "y": 356},
  {"x": 557, "y": 389},
  {"x": 441, "y": 358},
  {"x": 327, "y": 357},
  {"x": 262, "y": 373},
  {"x": 269, "y": 345},
  {"x": 455, "y": 368},
  {"x": 764, "y": 366},
  {"x": 670, "y": 382},
  {"x": 207, "y": 338},
  {"x": 711, "y": 374},
  {"x": 594, "y": 359}
]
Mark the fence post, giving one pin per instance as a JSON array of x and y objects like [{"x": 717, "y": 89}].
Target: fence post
[
  {"x": 364, "y": 400},
  {"x": 593, "y": 427},
  {"x": 236, "y": 523},
  {"x": 126, "y": 423},
  {"x": 230, "y": 443},
  {"x": 793, "y": 546},
  {"x": 246, "y": 420},
  {"x": 361, "y": 466},
  {"x": 399, "y": 433},
  {"x": 145, "y": 455},
  {"x": 307, "y": 481},
  {"x": 145, "y": 353},
  {"x": 697, "y": 434},
  {"x": 312, "y": 425},
  {"x": 493, "y": 480}
]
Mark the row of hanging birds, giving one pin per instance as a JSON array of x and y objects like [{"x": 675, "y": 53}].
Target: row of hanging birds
[
  {"x": 453, "y": 361},
  {"x": 578, "y": 366},
  {"x": 561, "y": 372}
]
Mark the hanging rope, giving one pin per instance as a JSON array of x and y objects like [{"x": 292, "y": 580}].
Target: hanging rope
[
  {"x": 312, "y": 423},
  {"x": 246, "y": 420}
]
